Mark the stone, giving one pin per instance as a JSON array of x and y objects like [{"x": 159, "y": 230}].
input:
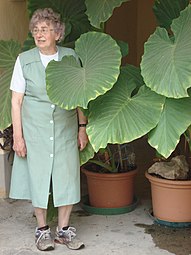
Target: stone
[{"x": 176, "y": 169}]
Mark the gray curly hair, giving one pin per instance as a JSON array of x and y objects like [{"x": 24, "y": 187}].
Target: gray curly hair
[{"x": 50, "y": 17}]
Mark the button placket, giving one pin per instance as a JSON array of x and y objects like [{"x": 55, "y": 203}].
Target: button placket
[{"x": 51, "y": 137}]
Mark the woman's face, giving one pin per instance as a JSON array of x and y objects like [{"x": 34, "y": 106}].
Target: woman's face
[{"x": 45, "y": 37}]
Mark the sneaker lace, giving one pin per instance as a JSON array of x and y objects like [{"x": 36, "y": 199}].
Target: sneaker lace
[
  {"x": 70, "y": 233},
  {"x": 45, "y": 234}
]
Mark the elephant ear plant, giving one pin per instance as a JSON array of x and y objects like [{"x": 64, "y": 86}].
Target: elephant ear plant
[
  {"x": 166, "y": 70},
  {"x": 120, "y": 108},
  {"x": 159, "y": 105},
  {"x": 8, "y": 53}
]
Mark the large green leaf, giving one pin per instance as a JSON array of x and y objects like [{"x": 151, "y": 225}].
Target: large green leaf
[
  {"x": 119, "y": 117},
  {"x": 124, "y": 47},
  {"x": 134, "y": 73},
  {"x": 166, "y": 64},
  {"x": 86, "y": 154},
  {"x": 9, "y": 50},
  {"x": 101, "y": 10},
  {"x": 167, "y": 10},
  {"x": 72, "y": 14},
  {"x": 8, "y": 53},
  {"x": 174, "y": 121},
  {"x": 5, "y": 102},
  {"x": 75, "y": 85}
]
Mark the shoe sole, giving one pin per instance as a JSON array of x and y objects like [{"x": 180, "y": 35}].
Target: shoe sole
[
  {"x": 47, "y": 249},
  {"x": 63, "y": 243}
]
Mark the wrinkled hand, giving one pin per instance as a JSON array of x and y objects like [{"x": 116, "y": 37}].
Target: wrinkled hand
[
  {"x": 19, "y": 147},
  {"x": 82, "y": 138}
]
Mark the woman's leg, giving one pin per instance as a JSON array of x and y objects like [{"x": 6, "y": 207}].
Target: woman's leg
[
  {"x": 64, "y": 233},
  {"x": 40, "y": 214},
  {"x": 43, "y": 237},
  {"x": 64, "y": 215}
]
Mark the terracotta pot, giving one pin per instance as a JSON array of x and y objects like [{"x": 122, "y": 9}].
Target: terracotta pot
[
  {"x": 171, "y": 199},
  {"x": 110, "y": 190}
]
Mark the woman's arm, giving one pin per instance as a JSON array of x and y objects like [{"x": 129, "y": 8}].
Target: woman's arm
[
  {"x": 82, "y": 136},
  {"x": 18, "y": 140}
]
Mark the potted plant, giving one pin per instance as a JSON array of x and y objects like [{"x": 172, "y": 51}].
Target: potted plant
[
  {"x": 6, "y": 158},
  {"x": 112, "y": 96},
  {"x": 105, "y": 60},
  {"x": 133, "y": 107},
  {"x": 112, "y": 169},
  {"x": 166, "y": 68}
]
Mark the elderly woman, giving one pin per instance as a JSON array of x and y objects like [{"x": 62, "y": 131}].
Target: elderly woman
[{"x": 46, "y": 138}]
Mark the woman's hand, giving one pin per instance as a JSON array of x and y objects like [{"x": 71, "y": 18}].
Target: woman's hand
[
  {"x": 82, "y": 135},
  {"x": 19, "y": 147},
  {"x": 18, "y": 141},
  {"x": 82, "y": 138}
]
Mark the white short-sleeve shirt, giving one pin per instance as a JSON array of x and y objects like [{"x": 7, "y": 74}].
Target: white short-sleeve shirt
[{"x": 18, "y": 82}]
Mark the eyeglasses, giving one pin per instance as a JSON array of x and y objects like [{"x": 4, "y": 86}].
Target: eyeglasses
[{"x": 43, "y": 31}]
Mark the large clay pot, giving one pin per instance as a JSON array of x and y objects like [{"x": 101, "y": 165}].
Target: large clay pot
[
  {"x": 110, "y": 190},
  {"x": 171, "y": 199}
]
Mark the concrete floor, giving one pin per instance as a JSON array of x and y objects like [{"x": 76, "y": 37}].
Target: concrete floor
[{"x": 131, "y": 233}]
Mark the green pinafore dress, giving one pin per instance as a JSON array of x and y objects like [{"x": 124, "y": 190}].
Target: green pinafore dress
[{"x": 50, "y": 134}]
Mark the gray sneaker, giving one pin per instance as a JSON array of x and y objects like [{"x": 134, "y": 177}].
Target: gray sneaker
[
  {"x": 68, "y": 237},
  {"x": 44, "y": 240}
]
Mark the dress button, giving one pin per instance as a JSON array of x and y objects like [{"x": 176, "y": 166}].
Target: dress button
[
  {"x": 51, "y": 155},
  {"x": 52, "y": 106},
  {"x": 51, "y": 138},
  {"x": 51, "y": 121}
]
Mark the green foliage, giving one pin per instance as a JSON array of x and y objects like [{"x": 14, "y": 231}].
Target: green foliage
[
  {"x": 166, "y": 69},
  {"x": 100, "y": 11},
  {"x": 167, "y": 10},
  {"x": 8, "y": 53},
  {"x": 123, "y": 47},
  {"x": 119, "y": 117},
  {"x": 174, "y": 121},
  {"x": 76, "y": 86},
  {"x": 130, "y": 109},
  {"x": 52, "y": 212},
  {"x": 28, "y": 43},
  {"x": 86, "y": 154}
]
